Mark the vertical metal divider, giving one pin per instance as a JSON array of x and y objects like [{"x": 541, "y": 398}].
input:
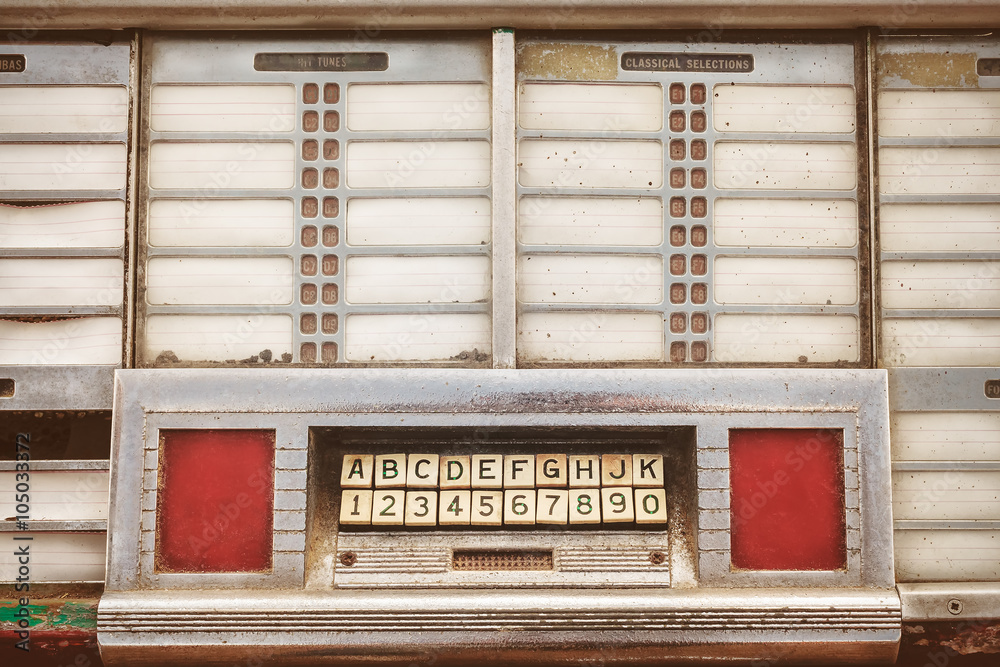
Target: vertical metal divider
[
  {"x": 875, "y": 302},
  {"x": 504, "y": 202},
  {"x": 130, "y": 304}
]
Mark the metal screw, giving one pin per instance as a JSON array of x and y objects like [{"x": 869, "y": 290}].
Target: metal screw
[
  {"x": 348, "y": 558},
  {"x": 657, "y": 558},
  {"x": 955, "y": 606}
]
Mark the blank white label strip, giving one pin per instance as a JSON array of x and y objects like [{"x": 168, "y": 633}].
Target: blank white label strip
[
  {"x": 939, "y": 170},
  {"x": 786, "y": 223},
  {"x": 590, "y": 106},
  {"x": 786, "y": 166},
  {"x": 597, "y": 279},
  {"x": 418, "y": 164},
  {"x": 63, "y": 109},
  {"x": 785, "y": 338},
  {"x": 939, "y": 113},
  {"x": 426, "y": 279},
  {"x": 417, "y": 107},
  {"x": 939, "y": 227},
  {"x": 219, "y": 280},
  {"x": 60, "y": 495},
  {"x": 784, "y": 109},
  {"x": 941, "y": 342},
  {"x": 940, "y": 284},
  {"x": 946, "y": 436},
  {"x": 946, "y": 495},
  {"x": 91, "y": 224},
  {"x": 61, "y": 282},
  {"x": 222, "y": 108},
  {"x": 62, "y": 166},
  {"x": 217, "y": 337},
  {"x": 630, "y": 221},
  {"x": 947, "y": 555},
  {"x": 590, "y": 163},
  {"x": 70, "y": 342},
  {"x": 416, "y": 336},
  {"x": 590, "y": 336},
  {"x": 56, "y": 557},
  {"x": 419, "y": 221},
  {"x": 221, "y": 165},
  {"x": 216, "y": 223},
  {"x": 792, "y": 281}
]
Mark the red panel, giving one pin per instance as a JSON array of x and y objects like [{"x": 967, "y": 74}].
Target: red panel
[
  {"x": 787, "y": 499},
  {"x": 215, "y": 501}
]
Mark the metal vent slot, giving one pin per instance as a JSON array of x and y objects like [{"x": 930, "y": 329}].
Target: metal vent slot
[{"x": 501, "y": 560}]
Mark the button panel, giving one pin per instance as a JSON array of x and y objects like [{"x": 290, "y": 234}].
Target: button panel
[{"x": 421, "y": 490}]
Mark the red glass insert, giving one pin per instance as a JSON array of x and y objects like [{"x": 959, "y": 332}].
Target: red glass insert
[
  {"x": 787, "y": 500},
  {"x": 215, "y": 501}
]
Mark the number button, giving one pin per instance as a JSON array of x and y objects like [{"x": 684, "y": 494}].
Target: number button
[
  {"x": 617, "y": 505},
  {"x": 421, "y": 508},
  {"x": 454, "y": 509},
  {"x": 388, "y": 508},
  {"x": 356, "y": 508},
  {"x": 553, "y": 506},
  {"x": 487, "y": 508},
  {"x": 519, "y": 507},
  {"x": 585, "y": 506},
  {"x": 650, "y": 506}
]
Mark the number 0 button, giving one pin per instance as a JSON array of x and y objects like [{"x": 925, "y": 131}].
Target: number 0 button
[{"x": 650, "y": 506}]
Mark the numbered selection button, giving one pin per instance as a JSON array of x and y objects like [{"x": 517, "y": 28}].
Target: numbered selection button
[
  {"x": 421, "y": 508},
  {"x": 356, "y": 508},
  {"x": 650, "y": 506},
  {"x": 617, "y": 505},
  {"x": 388, "y": 508},
  {"x": 487, "y": 508},
  {"x": 585, "y": 506},
  {"x": 455, "y": 508},
  {"x": 553, "y": 506},
  {"x": 519, "y": 507}
]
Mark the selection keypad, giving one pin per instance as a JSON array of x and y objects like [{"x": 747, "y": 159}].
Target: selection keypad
[{"x": 386, "y": 490}]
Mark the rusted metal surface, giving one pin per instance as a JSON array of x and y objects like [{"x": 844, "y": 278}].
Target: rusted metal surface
[{"x": 61, "y": 627}]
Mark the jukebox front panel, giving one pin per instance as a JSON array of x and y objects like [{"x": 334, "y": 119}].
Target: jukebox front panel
[{"x": 515, "y": 515}]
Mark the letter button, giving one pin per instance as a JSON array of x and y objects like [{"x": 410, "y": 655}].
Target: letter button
[
  {"x": 647, "y": 470},
  {"x": 422, "y": 471},
  {"x": 487, "y": 471},
  {"x": 550, "y": 470},
  {"x": 456, "y": 472},
  {"x": 584, "y": 471},
  {"x": 390, "y": 471},
  {"x": 519, "y": 472},
  {"x": 357, "y": 471},
  {"x": 616, "y": 470}
]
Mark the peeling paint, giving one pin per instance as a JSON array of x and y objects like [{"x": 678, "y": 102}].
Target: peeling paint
[
  {"x": 569, "y": 62},
  {"x": 930, "y": 70}
]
